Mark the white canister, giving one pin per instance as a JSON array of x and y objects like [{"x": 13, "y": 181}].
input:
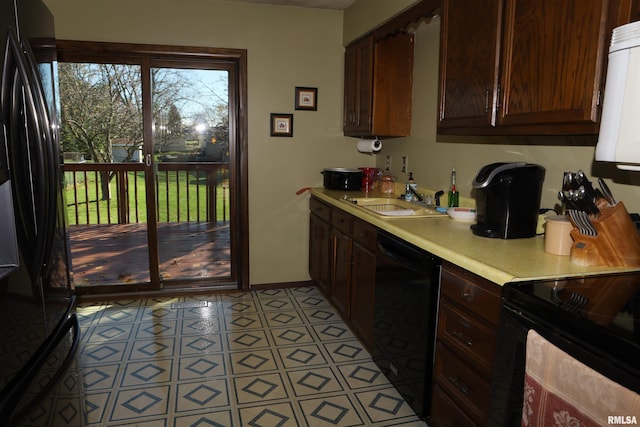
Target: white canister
[{"x": 557, "y": 238}]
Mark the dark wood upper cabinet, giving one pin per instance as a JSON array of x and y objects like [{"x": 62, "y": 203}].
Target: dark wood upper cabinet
[
  {"x": 358, "y": 86},
  {"x": 525, "y": 66},
  {"x": 378, "y": 86},
  {"x": 553, "y": 62},
  {"x": 635, "y": 11},
  {"x": 468, "y": 63},
  {"x": 392, "y": 85},
  {"x": 378, "y": 79}
]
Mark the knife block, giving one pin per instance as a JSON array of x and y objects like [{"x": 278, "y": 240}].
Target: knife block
[{"x": 617, "y": 243}]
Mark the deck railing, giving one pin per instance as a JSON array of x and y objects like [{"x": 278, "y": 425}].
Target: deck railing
[{"x": 115, "y": 193}]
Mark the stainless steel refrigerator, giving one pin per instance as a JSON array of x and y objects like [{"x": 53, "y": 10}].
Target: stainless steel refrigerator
[{"x": 39, "y": 330}]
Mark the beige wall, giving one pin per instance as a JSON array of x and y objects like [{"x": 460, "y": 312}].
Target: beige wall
[
  {"x": 287, "y": 47},
  {"x": 431, "y": 157},
  {"x": 363, "y": 15}
]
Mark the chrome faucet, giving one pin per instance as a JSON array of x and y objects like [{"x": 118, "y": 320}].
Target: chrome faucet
[{"x": 417, "y": 195}]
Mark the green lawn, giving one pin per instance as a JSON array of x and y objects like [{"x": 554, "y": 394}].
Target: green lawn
[{"x": 181, "y": 196}]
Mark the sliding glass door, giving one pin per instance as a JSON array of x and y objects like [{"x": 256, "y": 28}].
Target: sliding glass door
[
  {"x": 105, "y": 186},
  {"x": 153, "y": 172},
  {"x": 191, "y": 150}
]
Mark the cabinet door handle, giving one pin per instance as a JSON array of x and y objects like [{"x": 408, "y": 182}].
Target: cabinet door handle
[
  {"x": 459, "y": 385},
  {"x": 486, "y": 99},
  {"x": 462, "y": 337},
  {"x": 466, "y": 294}
]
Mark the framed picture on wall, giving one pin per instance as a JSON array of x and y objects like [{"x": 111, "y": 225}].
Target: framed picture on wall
[
  {"x": 306, "y": 98},
  {"x": 281, "y": 124}
]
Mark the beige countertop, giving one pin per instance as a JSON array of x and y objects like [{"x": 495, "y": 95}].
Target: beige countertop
[{"x": 498, "y": 260}]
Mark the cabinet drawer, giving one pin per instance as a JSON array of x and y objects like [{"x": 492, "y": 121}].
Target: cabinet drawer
[
  {"x": 471, "y": 338},
  {"x": 472, "y": 292},
  {"x": 445, "y": 413},
  {"x": 321, "y": 209},
  {"x": 342, "y": 221},
  {"x": 365, "y": 235},
  {"x": 467, "y": 389}
]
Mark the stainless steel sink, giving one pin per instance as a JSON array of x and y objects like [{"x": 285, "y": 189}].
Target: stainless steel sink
[{"x": 394, "y": 208}]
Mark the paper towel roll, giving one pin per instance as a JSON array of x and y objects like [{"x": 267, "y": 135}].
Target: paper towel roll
[{"x": 369, "y": 146}]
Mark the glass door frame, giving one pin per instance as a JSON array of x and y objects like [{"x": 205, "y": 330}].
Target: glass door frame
[{"x": 148, "y": 56}]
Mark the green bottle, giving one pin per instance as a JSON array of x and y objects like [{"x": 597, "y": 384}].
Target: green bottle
[{"x": 453, "y": 191}]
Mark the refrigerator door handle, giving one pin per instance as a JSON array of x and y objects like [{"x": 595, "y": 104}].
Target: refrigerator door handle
[{"x": 32, "y": 142}]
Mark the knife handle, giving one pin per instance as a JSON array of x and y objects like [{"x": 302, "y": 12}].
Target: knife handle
[{"x": 607, "y": 192}]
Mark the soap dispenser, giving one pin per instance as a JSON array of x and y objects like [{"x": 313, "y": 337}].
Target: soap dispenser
[
  {"x": 412, "y": 183},
  {"x": 408, "y": 196},
  {"x": 410, "y": 188}
]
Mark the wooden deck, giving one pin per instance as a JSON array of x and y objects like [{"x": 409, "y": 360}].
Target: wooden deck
[{"x": 118, "y": 253}]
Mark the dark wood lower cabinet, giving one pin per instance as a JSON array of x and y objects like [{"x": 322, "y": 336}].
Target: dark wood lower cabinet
[
  {"x": 465, "y": 350},
  {"x": 445, "y": 412},
  {"x": 468, "y": 388},
  {"x": 341, "y": 283},
  {"x": 342, "y": 263},
  {"x": 363, "y": 279},
  {"x": 320, "y": 253}
]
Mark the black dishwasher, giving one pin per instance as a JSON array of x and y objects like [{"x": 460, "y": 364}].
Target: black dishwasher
[{"x": 406, "y": 305}]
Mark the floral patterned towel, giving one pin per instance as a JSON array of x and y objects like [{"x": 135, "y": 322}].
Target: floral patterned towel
[{"x": 561, "y": 391}]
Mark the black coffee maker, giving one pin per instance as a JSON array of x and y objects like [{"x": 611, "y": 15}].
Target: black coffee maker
[{"x": 508, "y": 200}]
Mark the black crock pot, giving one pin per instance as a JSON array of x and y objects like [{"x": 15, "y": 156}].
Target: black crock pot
[{"x": 342, "y": 179}]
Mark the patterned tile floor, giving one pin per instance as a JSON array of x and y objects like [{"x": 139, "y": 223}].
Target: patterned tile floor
[{"x": 264, "y": 359}]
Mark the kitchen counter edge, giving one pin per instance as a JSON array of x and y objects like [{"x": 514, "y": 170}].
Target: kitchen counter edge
[{"x": 498, "y": 260}]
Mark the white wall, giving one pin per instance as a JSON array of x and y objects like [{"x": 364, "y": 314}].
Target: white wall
[{"x": 287, "y": 47}]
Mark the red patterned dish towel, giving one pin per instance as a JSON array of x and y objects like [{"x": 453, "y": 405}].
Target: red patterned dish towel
[{"x": 561, "y": 391}]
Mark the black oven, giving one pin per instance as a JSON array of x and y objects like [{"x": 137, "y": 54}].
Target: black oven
[{"x": 595, "y": 320}]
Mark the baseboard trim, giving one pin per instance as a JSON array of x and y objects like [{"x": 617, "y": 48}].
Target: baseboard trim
[
  {"x": 182, "y": 292},
  {"x": 281, "y": 285}
]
